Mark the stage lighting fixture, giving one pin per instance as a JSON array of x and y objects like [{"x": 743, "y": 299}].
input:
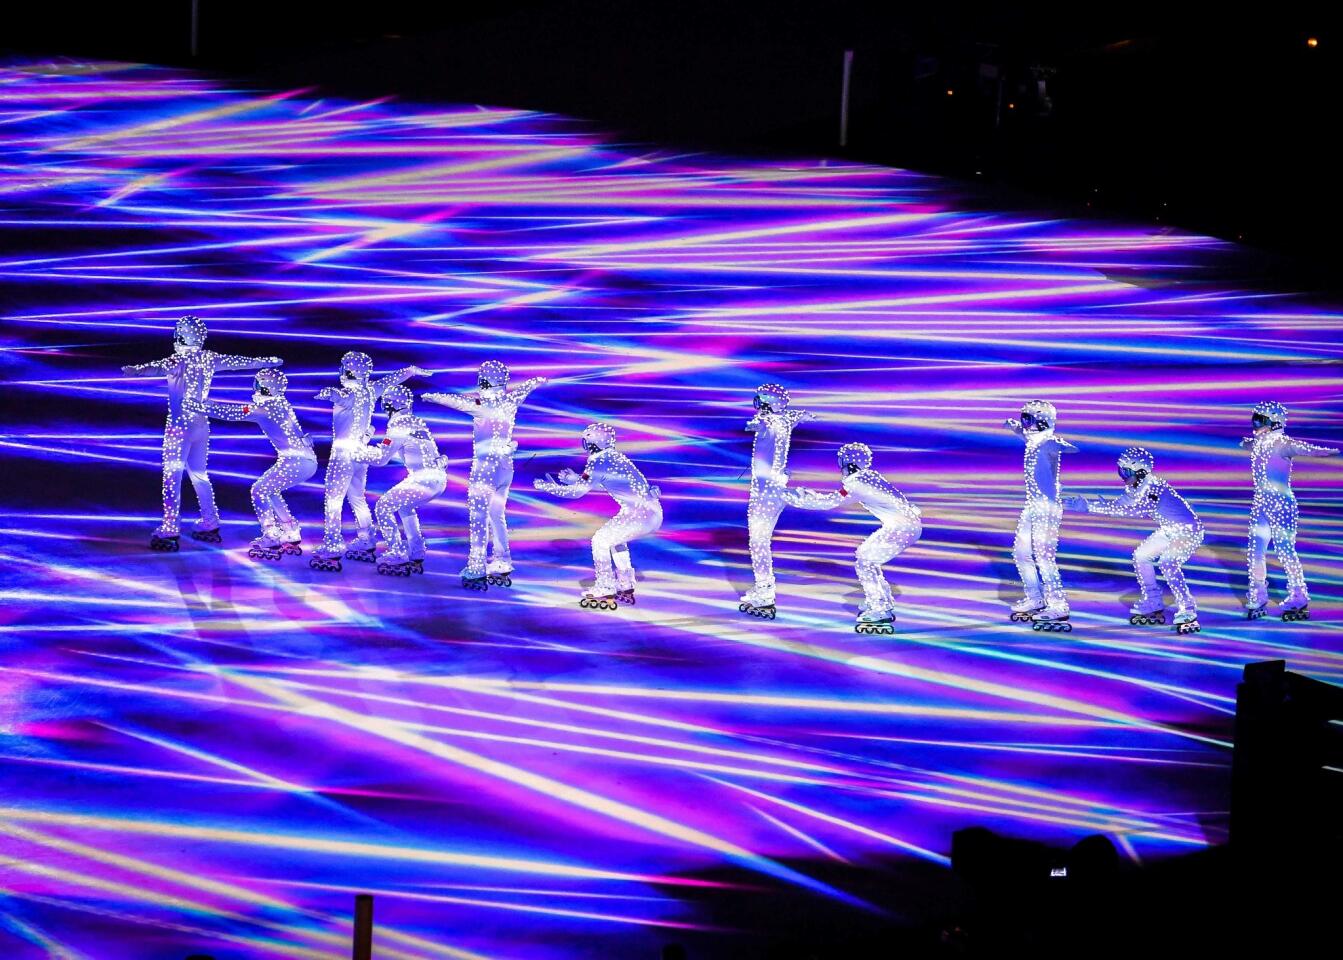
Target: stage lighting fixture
[
  {"x": 951, "y": 93},
  {"x": 1313, "y": 42}
]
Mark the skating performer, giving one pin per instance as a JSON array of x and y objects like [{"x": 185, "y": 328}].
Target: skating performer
[
  {"x": 186, "y": 435},
  {"x": 409, "y": 440},
  {"x": 640, "y": 513},
  {"x": 1179, "y": 533},
  {"x": 494, "y": 408},
  {"x": 347, "y": 465},
  {"x": 1037, "y": 540},
  {"x": 295, "y": 461},
  {"x": 900, "y": 526},
  {"x": 1273, "y": 512},
  {"x": 773, "y": 426}
]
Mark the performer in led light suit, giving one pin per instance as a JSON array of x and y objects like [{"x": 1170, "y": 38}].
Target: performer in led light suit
[
  {"x": 1037, "y": 539},
  {"x": 409, "y": 440},
  {"x": 900, "y": 526},
  {"x": 347, "y": 464},
  {"x": 640, "y": 513},
  {"x": 186, "y": 435},
  {"x": 773, "y": 426},
  {"x": 295, "y": 461},
  {"x": 494, "y": 408},
  {"x": 1273, "y": 512},
  {"x": 1179, "y": 533}
]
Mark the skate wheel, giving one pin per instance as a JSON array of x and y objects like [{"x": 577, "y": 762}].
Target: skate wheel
[
  {"x": 1065, "y": 628},
  {"x": 1036, "y": 625},
  {"x": 769, "y": 614},
  {"x": 741, "y": 607}
]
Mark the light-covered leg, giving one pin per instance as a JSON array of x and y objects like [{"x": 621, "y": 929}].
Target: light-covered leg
[
  {"x": 1256, "y": 554},
  {"x": 762, "y": 515},
  {"x": 356, "y": 495},
  {"x": 1182, "y": 547},
  {"x": 389, "y": 505},
  {"x": 197, "y": 453},
  {"x": 479, "y": 492},
  {"x": 1283, "y": 517},
  {"x": 174, "y": 443},
  {"x": 418, "y": 490},
  {"x": 498, "y": 517},
  {"x": 620, "y": 556},
  {"x": 610, "y": 550},
  {"x": 882, "y": 546},
  {"x": 263, "y": 496},
  {"x": 1145, "y": 558},
  {"x": 293, "y": 471},
  {"x": 1023, "y": 553},
  {"x": 1045, "y": 541},
  {"x": 336, "y": 485}
]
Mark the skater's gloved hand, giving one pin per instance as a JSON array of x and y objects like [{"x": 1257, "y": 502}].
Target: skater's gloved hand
[
  {"x": 568, "y": 476},
  {"x": 1075, "y": 502},
  {"x": 420, "y": 372},
  {"x": 1013, "y": 424},
  {"x": 1246, "y": 442}
]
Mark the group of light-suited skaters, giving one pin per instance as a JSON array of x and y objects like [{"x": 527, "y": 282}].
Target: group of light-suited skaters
[{"x": 493, "y": 408}]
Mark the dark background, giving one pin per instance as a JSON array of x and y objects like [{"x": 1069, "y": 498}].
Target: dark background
[{"x": 1215, "y": 118}]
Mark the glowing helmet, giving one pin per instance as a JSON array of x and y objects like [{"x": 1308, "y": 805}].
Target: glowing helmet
[
  {"x": 1269, "y": 414},
  {"x": 599, "y": 436},
  {"x": 189, "y": 331},
  {"x": 270, "y": 382},
  {"x": 1038, "y": 415},
  {"x": 1135, "y": 463},
  {"x": 855, "y": 457},
  {"x": 771, "y": 397},
  {"x": 493, "y": 374},
  {"x": 356, "y": 366},
  {"x": 396, "y": 399}
]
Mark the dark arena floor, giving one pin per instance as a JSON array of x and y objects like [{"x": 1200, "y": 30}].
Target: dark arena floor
[{"x": 205, "y": 752}]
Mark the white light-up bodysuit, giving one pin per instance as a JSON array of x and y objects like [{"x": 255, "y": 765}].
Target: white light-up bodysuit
[
  {"x": 773, "y": 428},
  {"x": 640, "y": 511},
  {"x": 351, "y": 429},
  {"x": 1037, "y": 537},
  {"x": 1273, "y": 512},
  {"x": 408, "y": 440},
  {"x": 901, "y": 524},
  {"x": 1179, "y": 531},
  {"x": 494, "y": 409},
  {"x": 295, "y": 461},
  {"x": 186, "y": 435}
]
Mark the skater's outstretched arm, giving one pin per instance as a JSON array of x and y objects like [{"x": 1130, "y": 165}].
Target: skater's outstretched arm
[
  {"x": 390, "y": 447},
  {"x": 520, "y": 392},
  {"x": 167, "y": 363},
  {"x": 793, "y": 416},
  {"x": 1063, "y": 445},
  {"x": 462, "y": 403},
  {"x": 338, "y": 396},
  {"x": 1299, "y": 448},
  {"x": 229, "y": 361},
  {"x": 224, "y": 411},
  {"x": 1129, "y": 504},
  {"x": 383, "y": 384},
  {"x": 571, "y": 485},
  {"x": 809, "y": 499}
]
